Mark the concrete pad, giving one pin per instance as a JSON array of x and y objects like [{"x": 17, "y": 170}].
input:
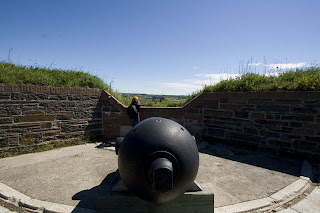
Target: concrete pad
[
  {"x": 4, "y": 210},
  {"x": 123, "y": 201},
  {"x": 74, "y": 175},
  {"x": 240, "y": 175},
  {"x": 12, "y": 195},
  {"x": 245, "y": 206},
  {"x": 288, "y": 210},
  {"x": 310, "y": 204},
  {"x": 290, "y": 190}
]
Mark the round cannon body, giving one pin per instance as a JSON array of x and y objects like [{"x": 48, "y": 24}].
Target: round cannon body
[{"x": 158, "y": 160}]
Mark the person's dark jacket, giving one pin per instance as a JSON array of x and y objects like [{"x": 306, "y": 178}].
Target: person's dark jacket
[{"x": 132, "y": 113}]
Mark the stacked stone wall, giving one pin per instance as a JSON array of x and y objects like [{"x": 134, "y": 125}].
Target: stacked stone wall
[
  {"x": 32, "y": 115},
  {"x": 279, "y": 122}
]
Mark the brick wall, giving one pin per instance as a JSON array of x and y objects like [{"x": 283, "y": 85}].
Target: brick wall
[{"x": 35, "y": 114}]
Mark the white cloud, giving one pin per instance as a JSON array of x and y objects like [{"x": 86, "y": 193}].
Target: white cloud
[
  {"x": 187, "y": 86},
  {"x": 287, "y": 66},
  {"x": 281, "y": 66},
  {"x": 177, "y": 85},
  {"x": 255, "y": 64}
]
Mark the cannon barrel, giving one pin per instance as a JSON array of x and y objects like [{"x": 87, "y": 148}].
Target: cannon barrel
[{"x": 158, "y": 160}]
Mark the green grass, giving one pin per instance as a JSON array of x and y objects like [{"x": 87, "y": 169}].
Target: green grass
[
  {"x": 11, "y": 152},
  {"x": 299, "y": 80},
  {"x": 16, "y": 74}
]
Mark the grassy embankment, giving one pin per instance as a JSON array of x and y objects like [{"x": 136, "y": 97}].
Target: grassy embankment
[
  {"x": 16, "y": 74},
  {"x": 298, "y": 80}
]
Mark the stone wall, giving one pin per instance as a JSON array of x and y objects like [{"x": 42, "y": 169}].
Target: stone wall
[
  {"x": 116, "y": 121},
  {"x": 279, "y": 122},
  {"x": 35, "y": 114}
]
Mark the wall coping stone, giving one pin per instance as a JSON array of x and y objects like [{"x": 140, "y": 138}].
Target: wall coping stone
[{"x": 29, "y": 88}]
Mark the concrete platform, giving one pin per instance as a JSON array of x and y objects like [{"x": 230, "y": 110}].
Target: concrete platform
[
  {"x": 120, "y": 200},
  {"x": 74, "y": 176}
]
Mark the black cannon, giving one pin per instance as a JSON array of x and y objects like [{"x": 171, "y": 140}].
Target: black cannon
[{"x": 158, "y": 160}]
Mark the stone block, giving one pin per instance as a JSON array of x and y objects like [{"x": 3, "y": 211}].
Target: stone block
[
  {"x": 288, "y": 101},
  {"x": 250, "y": 131},
  {"x": 34, "y": 112},
  {"x": 34, "y": 118},
  {"x": 273, "y": 108},
  {"x": 229, "y": 106},
  {"x": 29, "y": 139},
  {"x": 13, "y": 139},
  {"x": 212, "y": 104},
  {"x": 304, "y": 131},
  {"x": 224, "y": 100},
  {"x": 5, "y": 96},
  {"x": 245, "y": 137},
  {"x": 266, "y": 133},
  {"x": 241, "y": 114},
  {"x": 123, "y": 201},
  {"x": 291, "y": 136},
  {"x": 286, "y": 129},
  {"x": 313, "y": 139},
  {"x": 300, "y": 145},
  {"x": 45, "y": 125},
  {"x": 298, "y": 117},
  {"x": 216, "y": 132},
  {"x": 256, "y": 115},
  {"x": 280, "y": 143},
  {"x": 3, "y": 141},
  {"x": 218, "y": 113},
  {"x": 260, "y": 101},
  {"x": 6, "y": 120},
  {"x": 50, "y": 133},
  {"x": 295, "y": 124},
  {"x": 306, "y": 110},
  {"x": 269, "y": 117},
  {"x": 67, "y": 115}
]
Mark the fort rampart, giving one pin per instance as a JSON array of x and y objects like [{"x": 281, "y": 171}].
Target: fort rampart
[{"x": 279, "y": 122}]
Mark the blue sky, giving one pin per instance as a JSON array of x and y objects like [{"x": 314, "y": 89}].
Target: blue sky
[{"x": 163, "y": 46}]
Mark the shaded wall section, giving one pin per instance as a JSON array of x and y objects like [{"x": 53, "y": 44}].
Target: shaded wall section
[
  {"x": 285, "y": 123},
  {"x": 32, "y": 115},
  {"x": 279, "y": 122}
]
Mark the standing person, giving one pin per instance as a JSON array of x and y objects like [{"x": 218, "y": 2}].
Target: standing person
[{"x": 133, "y": 111}]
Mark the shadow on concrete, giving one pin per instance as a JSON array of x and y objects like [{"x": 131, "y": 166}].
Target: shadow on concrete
[
  {"x": 88, "y": 198},
  {"x": 255, "y": 158}
]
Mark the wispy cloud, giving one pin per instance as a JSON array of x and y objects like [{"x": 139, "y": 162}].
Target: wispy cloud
[
  {"x": 282, "y": 66},
  {"x": 288, "y": 66},
  {"x": 195, "y": 67},
  {"x": 187, "y": 86},
  {"x": 177, "y": 85},
  {"x": 255, "y": 64},
  {"x": 218, "y": 76}
]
